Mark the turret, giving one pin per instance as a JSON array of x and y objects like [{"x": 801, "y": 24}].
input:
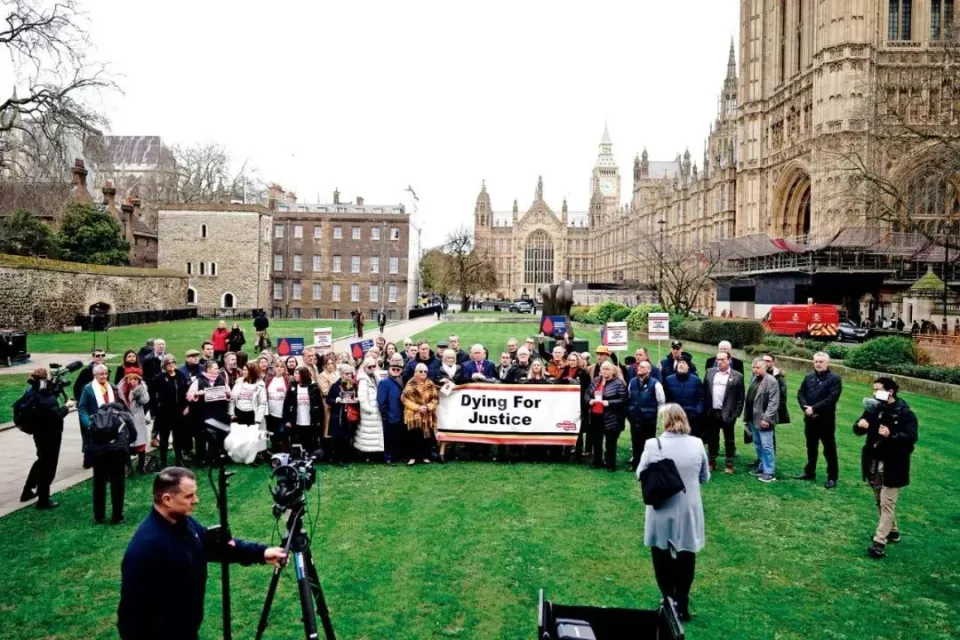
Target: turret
[
  {"x": 516, "y": 211},
  {"x": 482, "y": 215}
]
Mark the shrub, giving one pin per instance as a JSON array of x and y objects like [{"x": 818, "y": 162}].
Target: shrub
[
  {"x": 637, "y": 320},
  {"x": 739, "y": 332},
  {"x": 579, "y": 313},
  {"x": 950, "y": 375},
  {"x": 835, "y": 350},
  {"x": 778, "y": 346},
  {"x": 606, "y": 310},
  {"x": 691, "y": 331},
  {"x": 620, "y": 314},
  {"x": 877, "y": 354}
]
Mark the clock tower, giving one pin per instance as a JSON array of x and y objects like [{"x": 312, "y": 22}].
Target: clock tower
[{"x": 605, "y": 179}]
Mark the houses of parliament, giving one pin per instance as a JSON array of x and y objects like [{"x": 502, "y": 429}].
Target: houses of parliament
[{"x": 806, "y": 90}]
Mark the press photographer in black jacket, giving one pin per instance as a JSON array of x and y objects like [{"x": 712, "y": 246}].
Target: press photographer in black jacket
[
  {"x": 891, "y": 429},
  {"x": 45, "y": 420}
]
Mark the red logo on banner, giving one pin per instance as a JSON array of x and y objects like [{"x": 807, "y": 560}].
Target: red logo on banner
[
  {"x": 566, "y": 425},
  {"x": 283, "y": 348},
  {"x": 547, "y": 326},
  {"x": 357, "y": 351}
]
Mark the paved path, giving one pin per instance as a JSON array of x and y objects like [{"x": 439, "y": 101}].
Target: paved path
[
  {"x": 17, "y": 452},
  {"x": 43, "y": 360}
]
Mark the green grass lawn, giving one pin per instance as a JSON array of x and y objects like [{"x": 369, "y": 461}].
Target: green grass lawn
[
  {"x": 460, "y": 550},
  {"x": 180, "y": 335}
]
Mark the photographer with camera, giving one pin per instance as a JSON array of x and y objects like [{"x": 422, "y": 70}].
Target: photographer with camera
[
  {"x": 42, "y": 417},
  {"x": 164, "y": 569}
]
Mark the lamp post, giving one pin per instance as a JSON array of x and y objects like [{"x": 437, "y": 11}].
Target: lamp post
[
  {"x": 662, "y": 222},
  {"x": 418, "y": 229}
]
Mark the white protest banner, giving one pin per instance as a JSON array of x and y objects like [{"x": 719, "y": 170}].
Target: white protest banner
[
  {"x": 658, "y": 326},
  {"x": 510, "y": 414},
  {"x": 323, "y": 339},
  {"x": 215, "y": 394},
  {"x": 617, "y": 336}
]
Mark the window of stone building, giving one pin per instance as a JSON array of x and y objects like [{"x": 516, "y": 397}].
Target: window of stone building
[
  {"x": 191, "y": 295},
  {"x": 295, "y": 313},
  {"x": 941, "y": 19},
  {"x": 355, "y": 264},
  {"x": 335, "y": 314},
  {"x": 538, "y": 259},
  {"x": 278, "y": 262},
  {"x": 297, "y": 262},
  {"x": 375, "y": 233},
  {"x": 335, "y": 293},
  {"x": 338, "y": 233},
  {"x": 394, "y": 233},
  {"x": 374, "y": 293},
  {"x": 374, "y": 264},
  {"x": 354, "y": 293},
  {"x": 899, "y": 20},
  {"x": 276, "y": 312},
  {"x": 298, "y": 231},
  {"x": 203, "y": 231},
  {"x": 391, "y": 314},
  {"x": 278, "y": 231},
  {"x": 335, "y": 267},
  {"x": 278, "y": 290},
  {"x": 316, "y": 314},
  {"x": 189, "y": 268},
  {"x": 316, "y": 264},
  {"x": 316, "y": 291},
  {"x": 392, "y": 293},
  {"x": 228, "y": 301},
  {"x": 213, "y": 268},
  {"x": 317, "y": 232},
  {"x": 203, "y": 268},
  {"x": 355, "y": 233},
  {"x": 297, "y": 291},
  {"x": 394, "y": 264}
]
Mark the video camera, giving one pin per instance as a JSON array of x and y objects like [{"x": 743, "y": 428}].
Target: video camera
[
  {"x": 293, "y": 475},
  {"x": 58, "y": 376}
]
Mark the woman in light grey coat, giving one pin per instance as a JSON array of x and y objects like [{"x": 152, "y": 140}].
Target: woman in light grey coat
[{"x": 678, "y": 523}]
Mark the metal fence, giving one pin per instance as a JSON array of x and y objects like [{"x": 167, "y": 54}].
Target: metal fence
[
  {"x": 127, "y": 318},
  {"x": 424, "y": 311}
]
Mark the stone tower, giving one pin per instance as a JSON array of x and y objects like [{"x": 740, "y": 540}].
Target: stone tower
[
  {"x": 605, "y": 179},
  {"x": 482, "y": 217}
]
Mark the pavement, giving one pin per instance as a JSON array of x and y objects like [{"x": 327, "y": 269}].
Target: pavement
[
  {"x": 17, "y": 452},
  {"x": 43, "y": 360}
]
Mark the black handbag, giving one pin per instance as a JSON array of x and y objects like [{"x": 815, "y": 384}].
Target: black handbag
[{"x": 660, "y": 481}]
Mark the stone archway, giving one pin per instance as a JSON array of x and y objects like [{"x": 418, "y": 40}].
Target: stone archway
[{"x": 792, "y": 216}]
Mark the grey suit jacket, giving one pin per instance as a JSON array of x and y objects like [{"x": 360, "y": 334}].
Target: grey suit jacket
[
  {"x": 733, "y": 398},
  {"x": 766, "y": 402}
]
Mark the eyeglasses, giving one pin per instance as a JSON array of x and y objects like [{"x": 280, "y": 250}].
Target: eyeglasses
[
  {"x": 99, "y": 355},
  {"x": 396, "y": 368},
  {"x": 370, "y": 369}
]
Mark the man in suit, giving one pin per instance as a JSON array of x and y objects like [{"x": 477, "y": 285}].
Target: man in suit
[
  {"x": 818, "y": 396},
  {"x": 735, "y": 363},
  {"x": 478, "y": 368},
  {"x": 724, "y": 397},
  {"x": 760, "y": 415}
]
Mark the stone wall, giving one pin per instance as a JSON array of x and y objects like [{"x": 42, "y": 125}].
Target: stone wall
[
  {"x": 227, "y": 248},
  {"x": 46, "y": 295}
]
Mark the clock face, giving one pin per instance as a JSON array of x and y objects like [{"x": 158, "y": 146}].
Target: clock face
[{"x": 606, "y": 187}]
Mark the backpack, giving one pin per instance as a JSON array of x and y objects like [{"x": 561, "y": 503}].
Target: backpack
[
  {"x": 24, "y": 412},
  {"x": 106, "y": 423}
]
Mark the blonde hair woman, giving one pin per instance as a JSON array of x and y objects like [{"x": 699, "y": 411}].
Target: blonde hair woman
[
  {"x": 369, "y": 435},
  {"x": 678, "y": 522},
  {"x": 420, "y": 400}
]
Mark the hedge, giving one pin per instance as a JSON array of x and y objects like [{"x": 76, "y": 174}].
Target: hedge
[
  {"x": 950, "y": 375},
  {"x": 691, "y": 331},
  {"x": 606, "y": 310},
  {"x": 878, "y": 354},
  {"x": 739, "y": 332}
]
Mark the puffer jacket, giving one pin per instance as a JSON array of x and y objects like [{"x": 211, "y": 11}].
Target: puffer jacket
[
  {"x": 369, "y": 435},
  {"x": 136, "y": 400},
  {"x": 686, "y": 391},
  {"x": 615, "y": 393}
]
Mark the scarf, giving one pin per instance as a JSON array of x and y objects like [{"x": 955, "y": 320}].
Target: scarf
[
  {"x": 212, "y": 377},
  {"x": 450, "y": 370},
  {"x": 99, "y": 393}
]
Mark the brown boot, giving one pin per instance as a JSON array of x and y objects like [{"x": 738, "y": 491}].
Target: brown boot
[{"x": 728, "y": 469}]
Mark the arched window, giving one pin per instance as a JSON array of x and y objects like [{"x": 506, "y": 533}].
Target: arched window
[
  {"x": 189, "y": 268},
  {"x": 538, "y": 259},
  {"x": 191, "y": 295},
  {"x": 203, "y": 231},
  {"x": 203, "y": 268},
  {"x": 228, "y": 301},
  {"x": 213, "y": 268}
]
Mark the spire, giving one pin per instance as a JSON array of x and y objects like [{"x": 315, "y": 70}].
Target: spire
[
  {"x": 539, "y": 194},
  {"x": 732, "y": 62},
  {"x": 606, "y": 135}
]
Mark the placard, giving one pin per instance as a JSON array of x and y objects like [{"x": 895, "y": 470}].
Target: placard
[
  {"x": 359, "y": 348},
  {"x": 510, "y": 414},
  {"x": 616, "y": 336},
  {"x": 658, "y": 326},
  {"x": 323, "y": 339},
  {"x": 215, "y": 394},
  {"x": 290, "y": 347},
  {"x": 553, "y": 326}
]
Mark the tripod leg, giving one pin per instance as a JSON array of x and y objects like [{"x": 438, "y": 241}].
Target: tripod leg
[
  {"x": 306, "y": 599},
  {"x": 271, "y": 592},
  {"x": 318, "y": 594}
]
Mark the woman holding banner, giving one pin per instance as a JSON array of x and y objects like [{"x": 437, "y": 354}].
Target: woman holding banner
[
  {"x": 420, "y": 400},
  {"x": 575, "y": 373},
  {"x": 607, "y": 399},
  {"x": 537, "y": 374}
]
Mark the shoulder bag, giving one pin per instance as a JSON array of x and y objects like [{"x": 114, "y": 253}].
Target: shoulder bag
[{"x": 660, "y": 481}]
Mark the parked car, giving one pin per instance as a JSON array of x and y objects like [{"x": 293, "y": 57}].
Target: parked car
[
  {"x": 848, "y": 331},
  {"x": 523, "y": 306},
  {"x": 820, "y": 321}
]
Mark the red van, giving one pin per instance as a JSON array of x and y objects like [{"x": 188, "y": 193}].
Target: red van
[{"x": 805, "y": 320}]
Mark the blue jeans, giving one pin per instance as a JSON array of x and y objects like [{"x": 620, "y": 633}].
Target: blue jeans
[{"x": 763, "y": 441}]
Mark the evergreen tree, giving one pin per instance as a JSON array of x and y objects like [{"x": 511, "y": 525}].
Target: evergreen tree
[
  {"x": 92, "y": 236},
  {"x": 23, "y": 234}
]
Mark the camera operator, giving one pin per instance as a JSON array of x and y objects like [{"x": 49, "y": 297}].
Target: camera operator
[
  {"x": 45, "y": 422},
  {"x": 164, "y": 570}
]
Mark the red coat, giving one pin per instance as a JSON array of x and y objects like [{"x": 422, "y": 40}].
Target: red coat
[{"x": 219, "y": 338}]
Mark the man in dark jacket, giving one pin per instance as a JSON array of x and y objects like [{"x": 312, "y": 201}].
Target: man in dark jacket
[
  {"x": 646, "y": 395},
  {"x": 640, "y": 355},
  {"x": 453, "y": 342},
  {"x": 45, "y": 419},
  {"x": 164, "y": 570},
  {"x": 818, "y": 396},
  {"x": 391, "y": 409},
  {"x": 478, "y": 368},
  {"x": 891, "y": 430},
  {"x": 152, "y": 362},
  {"x": 85, "y": 376},
  {"x": 425, "y": 355},
  {"x": 668, "y": 366},
  {"x": 507, "y": 372},
  {"x": 724, "y": 395},
  {"x": 686, "y": 389},
  {"x": 725, "y": 347}
]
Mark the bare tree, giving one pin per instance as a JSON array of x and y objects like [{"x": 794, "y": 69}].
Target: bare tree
[
  {"x": 45, "y": 123},
  {"x": 463, "y": 269},
  {"x": 204, "y": 175}
]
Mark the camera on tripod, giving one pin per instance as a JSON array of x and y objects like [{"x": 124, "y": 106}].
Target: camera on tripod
[{"x": 293, "y": 475}]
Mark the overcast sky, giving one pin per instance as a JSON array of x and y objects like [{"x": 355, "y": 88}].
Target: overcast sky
[{"x": 373, "y": 96}]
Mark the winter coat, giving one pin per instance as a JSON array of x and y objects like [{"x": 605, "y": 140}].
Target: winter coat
[
  {"x": 47, "y": 415},
  {"x": 686, "y": 392},
  {"x": 88, "y": 404},
  {"x": 894, "y": 450},
  {"x": 633, "y": 372},
  {"x": 249, "y": 397},
  {"x": 783, "y": 413},
  {"x": 316, "y": 407},
  {"x": 151, "y": 365},
  {"x": 236, "y": 340},
  {"x": 219, "y": 338},
  {"x": 821, "y": 392},
  {"x": 122, "y": 371},
  {"x": 506, "y": 375},
  {"x": 369, "y": 435},
  {"x": 202, "y": 410},
  {"x": 190, "y": 373},
  {"x": 388, "y": 400},
  {"x": 615, "y": 393},
  {"x": 83, "y": 378},
  {"x": 432, "y": 363},
  {"x": 668, "y": 365},
  {"x": 645, "y": 398},
  {"x": 168, "y": 394},
  {"x": 442, "y": 376},
  {"x": 119, "y": 447},
  {"x": 137, "y": 400},
  {"x": 339, "y": 427},
  {"x": 766, "y": 401},
  {"x": 416, "y": 395}
]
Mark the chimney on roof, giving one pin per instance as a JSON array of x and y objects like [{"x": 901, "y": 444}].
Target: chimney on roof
[
  {"x": 137, "y": 210},
  {"x": 127, "y": 210},
  {"x": 79, "y": 191},
  {"x": 359, "y": 201},
  {"x": 110, "y": 197},
  {"x": 291, "y": 197},
  {"x": 336, "y": 196},
  {"x": 274, "y": 193}
]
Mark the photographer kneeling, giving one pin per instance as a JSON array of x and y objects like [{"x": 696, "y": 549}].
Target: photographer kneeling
[
  {"x": 164, "y": 570},
  {"x": 44, "y": 420}
]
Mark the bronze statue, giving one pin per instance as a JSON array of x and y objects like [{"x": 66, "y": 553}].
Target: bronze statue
[{"x": 557, "y": 300}]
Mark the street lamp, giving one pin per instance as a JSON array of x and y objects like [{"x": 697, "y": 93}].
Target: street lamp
[
  {"x": 662, "y": 222},
  {"x": 418, "y": 229}
]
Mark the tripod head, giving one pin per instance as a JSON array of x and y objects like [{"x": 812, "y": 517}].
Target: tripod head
[{"x": 293, "y": 476}]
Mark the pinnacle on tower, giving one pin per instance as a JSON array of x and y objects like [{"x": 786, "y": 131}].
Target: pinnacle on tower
[
  {"x": 732, "y": 62},
  {"x": 606, "y": 135},
  {"x": 539, "y": 194}
]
